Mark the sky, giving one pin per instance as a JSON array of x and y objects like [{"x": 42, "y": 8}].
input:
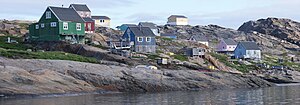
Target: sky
[{"x": 226, "y": 13}]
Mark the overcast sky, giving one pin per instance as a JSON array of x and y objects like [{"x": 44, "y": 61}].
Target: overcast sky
[{"x": 227, "y": 13}]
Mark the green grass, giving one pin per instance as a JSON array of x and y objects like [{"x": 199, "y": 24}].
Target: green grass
[
  {"x": 180, "y": 57},
  {"x": 240, "y": 67},
  {"x": 166, "y": 39},
  {"x": 17, "y": 46},
  {"x": 153, "y": 56},
  {"x": 45, "y": 55}
]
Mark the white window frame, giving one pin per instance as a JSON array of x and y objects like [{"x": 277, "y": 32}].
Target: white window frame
[
  {"x": 37, "y": 26},
  {"x": 138, "y": 39},
  {"x": 43, "y": 25},
  {"x": 48, "y": 15},
  {"x": 78, "y": 26},
  {"x": 148, "y": 39},
  {"x": 65, "y": 25},
  {"x": 53, "y": 24}
]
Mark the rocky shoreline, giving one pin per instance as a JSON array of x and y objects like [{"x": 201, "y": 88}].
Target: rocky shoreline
[{"x": 31, "y": 76}]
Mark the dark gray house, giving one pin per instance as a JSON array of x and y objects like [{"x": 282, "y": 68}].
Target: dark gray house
[
  {"x": 152, "y": 26},
  {"x": 141, "y": 39},
  {"x": 199, "y": 38}
]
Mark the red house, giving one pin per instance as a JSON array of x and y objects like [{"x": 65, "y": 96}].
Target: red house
[
  {"x": 85, "y": 14},
  {"x": 89, "y": 25}
]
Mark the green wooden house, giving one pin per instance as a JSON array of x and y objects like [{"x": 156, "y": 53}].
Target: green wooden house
[{"x": 58, "y": 24}]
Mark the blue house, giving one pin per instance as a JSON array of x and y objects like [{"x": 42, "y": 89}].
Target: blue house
[
  {"x": 141, "y": 39},
  {"x": 247, "y": 50},
  {"x": 124, "y": 27}
]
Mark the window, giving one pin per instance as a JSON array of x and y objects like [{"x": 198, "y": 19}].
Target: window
[
  {"x": 48, "y": 15},
  {"x": 89, "y": 25},
  {"x": 140, "y": 39},
  {"x": 78, "y": 26},
  {"x": 42, "y": 25},
  {"x": 53, "y": 24},
  {"x": 148, "y": 39},
  {"x": 65, "y": 25},
  {"x": 101, "y": 21},
  {"x": 37, "y": 26}
]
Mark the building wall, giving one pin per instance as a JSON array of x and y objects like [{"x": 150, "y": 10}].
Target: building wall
[
  {"x": 71, "y": 29},
  {"x": 223, "y": 47},
  {"x": 106, "y": 23},
  {"x": 145, "y": 48},
  {"x": 89, "y": 29},
  {"x": 204, "y": 42},
  {"x": 253, "y": 54},
  {"x": 177, "y": 21},
  {"x": 84, "y": 14},
  {"x": 239, "y": 52}
]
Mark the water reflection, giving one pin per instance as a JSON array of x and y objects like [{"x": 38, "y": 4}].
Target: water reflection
[{"x": 266, "y": 96}]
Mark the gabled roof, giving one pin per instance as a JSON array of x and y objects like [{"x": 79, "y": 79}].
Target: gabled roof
[
  {"x": 198, "y": 38},
  {"x": 142, "y": 31},
  {"x": 178, "y": 16},
  {"x": 148, "y": 24},
  {"x": 88, "y": 19},
  {"x": 229, "y": 41},
  {"x": 100, "y": 17},
  {"x": 80, "y": 7},
  {"x": 249, "y": 45},
  {"x": 66, "y": 14},
  {"x": 129, "y": 25}
]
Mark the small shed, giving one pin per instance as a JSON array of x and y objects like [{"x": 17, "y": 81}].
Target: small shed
[
  {"x": 162, "y": 61},
  {"x": 192, "y": 52}
]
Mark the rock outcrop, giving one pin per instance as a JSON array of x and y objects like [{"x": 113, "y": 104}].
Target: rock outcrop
[
  {"x": 55, "y": 76},
  {"x": 284, "y": 29}
]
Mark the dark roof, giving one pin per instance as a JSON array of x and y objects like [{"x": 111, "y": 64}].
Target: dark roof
[
  {"x": 100, "y": 17},
  {"x": 130, "y": 25},
  {"x": 141, "y": 31},
  {"x": 80, "y": 7},
  {"x": 88, "y": 19},
  {"x": 179, "y": 16},
  {"x": 250, "y": 45},
  {"x": 199, "y": 38},
  {"x": 230, "y": 41},
  {"x": 148, "y": 24},
  {"x": 66, "y": 14}
]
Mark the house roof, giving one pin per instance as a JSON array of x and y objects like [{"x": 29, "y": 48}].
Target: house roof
[
  {"x": 129, "y": 25},
  {"x": 249, "y": 45},
  {"x": 100, "y": 17},
  {"x": 198, "y": 38},
  {"x": 178, "y": 16},
  {"x": 88, "y": 19},
  {"x": 229, "y": 41},
  {"x": 80, "y": 7},
  {"x": 141, "y": 31},
  {"x": 66, "y": 14},
  {"x": 148, "y": 24}
]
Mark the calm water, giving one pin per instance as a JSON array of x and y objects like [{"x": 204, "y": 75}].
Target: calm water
[{"x": 280, "y": 95}]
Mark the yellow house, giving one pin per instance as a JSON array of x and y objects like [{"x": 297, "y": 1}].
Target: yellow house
[
  {"x": 177, "y": 20},
  {"x": 101, "y": 21}
]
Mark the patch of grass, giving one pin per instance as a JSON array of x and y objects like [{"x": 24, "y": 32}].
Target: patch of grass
[
  {"x": 240, "y": 67},
  {"x": 45, "y": 55},
  {"x": 153, "y": 56},
  {"x": 166, "y": 39},
  {"x": 180, "y": 57},
  {"x": 17, "y": 46}
]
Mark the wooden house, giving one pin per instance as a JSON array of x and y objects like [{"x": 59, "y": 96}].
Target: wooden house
[
  {"x": 124, "y": 27},
  {"x": 58, "y": 24},
  {"x": 247, "y": 50},
  {"x": 195, "y": 52},
  {"x": 177, "y": 20},
  {"x": 200, "y": 39},
  {"x": 152, "y": 26},
  {"x": 85, "y": 13},
  {"x": 226, "y": 46},
  {"x": 141, "y": 39},
  {"x": 101, "y": 21}
]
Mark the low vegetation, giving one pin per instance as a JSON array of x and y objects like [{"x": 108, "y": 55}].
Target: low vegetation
[
  {"x": 19, "y": 54},
  {"x": 180, "y": 57},
  {"x": 17, "y": 46}
]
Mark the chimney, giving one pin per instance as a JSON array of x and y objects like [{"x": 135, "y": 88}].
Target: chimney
[{"x": 62, "y": 6}]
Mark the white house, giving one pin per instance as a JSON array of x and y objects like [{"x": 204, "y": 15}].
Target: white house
[
  {"x": 200, "y": 39},
  {"x": 247, "y": 50},
  {"x": 177, "y": 20}
]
